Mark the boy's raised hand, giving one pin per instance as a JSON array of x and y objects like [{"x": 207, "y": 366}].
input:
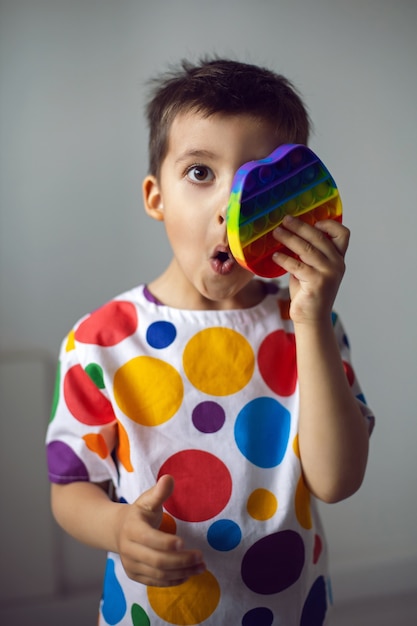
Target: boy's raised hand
[
  {"x": 149, "y": 555},
  {"x": 316, "y": 275}
]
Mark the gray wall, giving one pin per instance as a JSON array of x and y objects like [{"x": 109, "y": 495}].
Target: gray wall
[{"x": 73, "y": 232}]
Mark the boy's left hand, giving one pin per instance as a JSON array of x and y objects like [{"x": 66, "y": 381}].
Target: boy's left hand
[{"x": 316, "y": 275}]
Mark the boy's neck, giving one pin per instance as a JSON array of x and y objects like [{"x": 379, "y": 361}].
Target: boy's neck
[{"x": 177, "y": 292}]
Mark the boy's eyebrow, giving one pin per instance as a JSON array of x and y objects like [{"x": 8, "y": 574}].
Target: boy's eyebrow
[{"x": 195, "y": 154}]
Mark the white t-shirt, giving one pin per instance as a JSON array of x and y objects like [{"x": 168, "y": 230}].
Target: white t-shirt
[{"x": 210, "y": 397}]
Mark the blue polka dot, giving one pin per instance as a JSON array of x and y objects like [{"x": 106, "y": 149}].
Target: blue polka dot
[
  {"x": 224, "y": 535},
  {"x": 261, "y": 616},
  {"x": 161, "y": 334},
  {"x": 315, "y": 607},
  {"x": 113, "y": 606},
  {"x": 262, "y": 431}
]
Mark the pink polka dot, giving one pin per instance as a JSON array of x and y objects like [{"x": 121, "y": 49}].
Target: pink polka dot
[
  {"x": 84, "y": 400},
  {"x": 108, "y": 325},
  {"x": 277, "y": 362},
  {"x": 203, "y": 485}
]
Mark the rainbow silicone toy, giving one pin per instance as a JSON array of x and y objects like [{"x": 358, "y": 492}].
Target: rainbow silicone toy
[{"x": 292, "y": 180}]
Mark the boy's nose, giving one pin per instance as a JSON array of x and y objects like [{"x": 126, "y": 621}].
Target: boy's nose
[
  {"x": 222, "y": 210},
  {"x": 221, "y": 217}
]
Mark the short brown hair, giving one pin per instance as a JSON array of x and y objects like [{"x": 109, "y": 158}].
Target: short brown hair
[{"x": 223, "y": 86}]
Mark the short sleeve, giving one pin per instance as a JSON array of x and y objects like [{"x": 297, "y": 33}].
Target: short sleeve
[
  {"x": 82, "y": 433},
  {"x": 344, "y": 347}
]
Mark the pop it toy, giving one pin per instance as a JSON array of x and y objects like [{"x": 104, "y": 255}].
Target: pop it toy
[{"x": 292, "y": 180}]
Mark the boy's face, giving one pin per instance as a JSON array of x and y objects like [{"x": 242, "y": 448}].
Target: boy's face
[{"x": 191, "y": 197}]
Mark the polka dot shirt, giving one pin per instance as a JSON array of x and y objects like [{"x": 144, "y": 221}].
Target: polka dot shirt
[{"x": 210, "y": 397}]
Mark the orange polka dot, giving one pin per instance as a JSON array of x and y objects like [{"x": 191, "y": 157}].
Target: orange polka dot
[
  {"x": 302, "y": 505},
  {"x": 168, "y": 524},
  {"x": 96, "y": 443},
  {"x": 284, "y": 307},
  {"x": 123, "y": 448}
]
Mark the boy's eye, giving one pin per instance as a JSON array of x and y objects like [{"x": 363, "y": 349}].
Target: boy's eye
[{"x": 200, "y": 174}]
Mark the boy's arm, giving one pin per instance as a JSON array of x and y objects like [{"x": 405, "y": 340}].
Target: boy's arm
[
  {"x": 149, "y": 556},
  {"x": 333, "y": 435}
]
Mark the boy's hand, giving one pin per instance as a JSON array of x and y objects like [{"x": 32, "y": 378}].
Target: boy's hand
[
  {"x": 150, "y": 556},
  {"x": 316, "y": 276}
]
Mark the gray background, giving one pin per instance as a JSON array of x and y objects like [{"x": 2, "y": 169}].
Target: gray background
[{"x": 73, "y": 232}]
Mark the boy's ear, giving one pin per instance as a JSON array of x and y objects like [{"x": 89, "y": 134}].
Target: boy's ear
[{"x": 152, "y": 198}]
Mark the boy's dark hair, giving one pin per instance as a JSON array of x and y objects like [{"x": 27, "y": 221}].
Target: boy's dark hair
[{"x": 223, "y": 86}]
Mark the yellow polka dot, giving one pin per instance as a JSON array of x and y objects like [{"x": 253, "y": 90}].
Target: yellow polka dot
[
  {"x": 302, "y": 504},
  {"x": 296, "y": 447},
  {"x": 190, "y": 603},
  {"x": 262, "y": 504},
  {"x": 70, "y": 345},
  {"x": 218, "y": 361},
  {"x": 148, "y": 390}
]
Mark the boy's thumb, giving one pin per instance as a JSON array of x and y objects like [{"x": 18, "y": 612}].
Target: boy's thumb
[{"x": 154, "y": 498}]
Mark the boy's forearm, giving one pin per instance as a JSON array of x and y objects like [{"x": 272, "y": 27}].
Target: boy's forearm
[
  {"x": 86, "y": 512},
  {"x": 333, "y": 436}
]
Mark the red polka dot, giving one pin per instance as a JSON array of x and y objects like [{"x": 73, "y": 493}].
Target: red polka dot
[
  {"x": 318, "y": 547},
  {"x": 203, "y": 485},
  {"x": 350, "y": 374},
  {"x": 108, "y": 325},
  {"x": 277, "y": 362},
  {"x": 84, "y": 400}
]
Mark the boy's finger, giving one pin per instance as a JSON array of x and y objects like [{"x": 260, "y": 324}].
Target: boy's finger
[
  {"x": 153, "y": 499},
  {"x": 337, "y": 232}
]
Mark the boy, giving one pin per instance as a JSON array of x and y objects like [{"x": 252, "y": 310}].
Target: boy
[{"x": 218, "y": 406}]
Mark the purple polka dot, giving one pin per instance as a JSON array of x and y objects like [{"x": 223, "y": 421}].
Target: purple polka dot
[
  {"x": 271, "y": 287},
  {"x": 64, "y": 466},
  {"x": 274, "y": 562},
  {"x": 261, "y": 616},
  {"x": 315, "y": 607},
  {"x": 208, "y": 417}
]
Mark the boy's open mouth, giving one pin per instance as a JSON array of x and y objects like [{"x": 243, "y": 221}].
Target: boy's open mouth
[{"x": 222, "y": 261}]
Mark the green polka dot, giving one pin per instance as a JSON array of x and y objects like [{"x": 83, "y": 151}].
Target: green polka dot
[
  {"x": 95, "y": 372},
  {"x": 55, "y": 398},
  {"x": 139, "y": 617}
]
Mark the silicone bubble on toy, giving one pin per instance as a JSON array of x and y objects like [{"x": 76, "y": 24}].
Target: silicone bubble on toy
[{"x": 292, "y": 180}]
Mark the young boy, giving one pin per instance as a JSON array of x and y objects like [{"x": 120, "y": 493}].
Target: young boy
[{"x": 218, "y": 406}]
